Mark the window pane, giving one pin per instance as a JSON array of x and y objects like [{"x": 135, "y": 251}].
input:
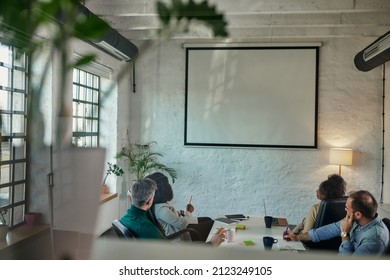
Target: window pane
[
  {"x": 5, "y": 99},
  {"x": 82, "y": 78},
  {"x": 18, "y": 100},
  {"x": 5, "y": 172},
  {"x": 6, "y": 124},
  {"x": 18, "y": 214},
  {"x": 5, "y": 54},
  {"x": 4, "y": 196},
  {"x": 89, "y": 95},
  {"x": 20, "y": 149},
  {"x": 5, "y": 150},
  {"x": 95, "y": 96},
  {"x": 95, "y": 111},
  {"x": 89, "y": 80},
  {"x": 75, "y": 76},
  {"x": 20, "y": 173},
  {"x": 88, "y": 111},
  {"x": 5, "y": 77},
  {"x": 94, "y": 141},
  {"x": 19, "y": 81},
  {"x": 19, "y": 193},
  {"x": 7, "y": 216},
  {"x": 96, "y": 81},
  {"x": 18, "y": 124},
  {"x": 20, "y": 59},
  {"x": 80, "y": 125}
]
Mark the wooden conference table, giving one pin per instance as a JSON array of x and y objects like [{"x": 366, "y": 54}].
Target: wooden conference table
[{"x": 254, "y": 231}]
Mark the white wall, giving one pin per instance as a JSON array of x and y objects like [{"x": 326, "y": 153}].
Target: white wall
[{"x": 224, "y": 180}]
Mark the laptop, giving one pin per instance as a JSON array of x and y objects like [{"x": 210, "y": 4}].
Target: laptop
[{"x": 238, "y": 217}]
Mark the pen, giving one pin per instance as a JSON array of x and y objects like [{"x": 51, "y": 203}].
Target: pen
[
  {"x": 286, "y": 231},
  {"x": 189, "y": 202}
]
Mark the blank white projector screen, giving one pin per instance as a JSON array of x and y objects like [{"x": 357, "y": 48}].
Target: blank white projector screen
[{"x": 251, "y": 96}]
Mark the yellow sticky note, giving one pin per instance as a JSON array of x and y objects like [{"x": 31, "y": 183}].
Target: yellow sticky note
[{"x": 240, "y": 226}]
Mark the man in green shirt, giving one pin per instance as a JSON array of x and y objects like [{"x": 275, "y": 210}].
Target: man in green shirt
[{"x": 142, "y": 195}]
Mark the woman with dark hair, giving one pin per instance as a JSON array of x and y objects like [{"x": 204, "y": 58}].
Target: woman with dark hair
[
  {"x": 333, "y": 187},
  {"x": 169, "y": 218}
]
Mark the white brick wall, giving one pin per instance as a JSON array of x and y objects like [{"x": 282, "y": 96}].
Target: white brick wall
[{"x": 224, "y": 180}]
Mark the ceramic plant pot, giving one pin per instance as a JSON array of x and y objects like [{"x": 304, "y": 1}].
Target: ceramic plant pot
[
  {"x": 104, "y": 189},
  {"x": 32, "y": 218}
]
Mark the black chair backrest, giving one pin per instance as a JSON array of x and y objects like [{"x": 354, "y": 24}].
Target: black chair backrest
[
  {"x": 386, "y": 221},
  {"x": 152, "y": 217},
  {"x": 330, "y": 211},
  {"x": 122, "y": 231},
  {"x": 195, "y": 235}
]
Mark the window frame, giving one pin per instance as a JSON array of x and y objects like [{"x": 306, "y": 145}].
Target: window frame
[
  {"x": 17, "y": 197},
  {"x": 77, "y": 86}
]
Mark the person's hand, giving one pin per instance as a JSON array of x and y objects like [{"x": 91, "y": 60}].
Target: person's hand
[
  {"x": 347, "y": 223},
  {"x": 190, "y": 208},
  {"x": 218, "y": 237},
  {"x": 290, "y": 235},
  {"x": 181, "y": 212}
]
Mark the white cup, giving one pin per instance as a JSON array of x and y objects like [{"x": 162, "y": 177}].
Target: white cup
[{"x": 229, "y": 235}]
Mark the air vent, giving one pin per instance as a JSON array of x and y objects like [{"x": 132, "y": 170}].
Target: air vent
[
  {"x": 377, "y": 48},
  {"x": 113, "y": 42},
  {"x": 375, "y": 54}
]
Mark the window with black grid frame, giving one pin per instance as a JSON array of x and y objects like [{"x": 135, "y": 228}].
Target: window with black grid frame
[
  {"x": 13, "y": 152},
  {"x": 86, "y": 91}
]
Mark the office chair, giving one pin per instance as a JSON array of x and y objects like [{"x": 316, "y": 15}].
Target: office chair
[
  {"x": 122, "y": 231},
  {"x": 386, "y": 221},
  {"x": 195, "y": 235},
  {"x": 330, "y": 211}
]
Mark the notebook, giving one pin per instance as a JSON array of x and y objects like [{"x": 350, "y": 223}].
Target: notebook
[{"x": 279, "y": 222}]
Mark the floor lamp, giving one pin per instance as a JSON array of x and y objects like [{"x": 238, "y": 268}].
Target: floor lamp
[{"x": 340, "y": 156}]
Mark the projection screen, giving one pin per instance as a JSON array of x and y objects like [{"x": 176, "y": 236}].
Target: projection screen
[{"x": 251, "y": 96}]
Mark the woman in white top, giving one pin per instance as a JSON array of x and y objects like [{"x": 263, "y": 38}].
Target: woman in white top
[{"x": 172, "y": 220}]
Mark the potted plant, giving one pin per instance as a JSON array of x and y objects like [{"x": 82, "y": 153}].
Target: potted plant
[
  {"x": 112, "y": 169},
  {"x": 141, "y": 160},
  {"x": 3, "y": 225}
]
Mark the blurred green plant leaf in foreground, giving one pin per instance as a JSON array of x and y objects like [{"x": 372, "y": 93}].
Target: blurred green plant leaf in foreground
[{"x": 189, "y": 11}]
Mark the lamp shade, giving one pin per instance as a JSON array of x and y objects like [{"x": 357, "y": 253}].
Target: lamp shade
[{"x": 340, "y": 156}]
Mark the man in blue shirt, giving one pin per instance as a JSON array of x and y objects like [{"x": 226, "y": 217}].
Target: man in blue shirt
[{"x": 361, "y": 231}]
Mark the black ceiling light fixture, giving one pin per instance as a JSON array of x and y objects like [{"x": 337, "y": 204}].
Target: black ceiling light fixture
[{"x": 374, "y": 55}]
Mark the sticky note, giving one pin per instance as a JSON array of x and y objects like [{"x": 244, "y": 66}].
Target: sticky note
[
  {"x": 248, "y": 243},
  {"x": 240, "y": 226}
]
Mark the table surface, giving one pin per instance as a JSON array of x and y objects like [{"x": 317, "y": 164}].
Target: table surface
[{"x": 255, "y": 230}]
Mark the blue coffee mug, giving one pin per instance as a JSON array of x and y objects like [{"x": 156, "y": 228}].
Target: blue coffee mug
[{"x": 268, "y": 241}]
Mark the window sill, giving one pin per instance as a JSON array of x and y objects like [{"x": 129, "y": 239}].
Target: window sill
[
  {"x": 22, "y": 234},
  {"x": 107, "y": 197}
]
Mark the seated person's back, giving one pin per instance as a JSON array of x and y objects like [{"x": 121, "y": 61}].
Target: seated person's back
[
  {"x": 142, "y": 194},
  {"x": 333, "y": 187},
  {"x": 362, "y": 232},
  {"x": 169, "y": 218}
]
